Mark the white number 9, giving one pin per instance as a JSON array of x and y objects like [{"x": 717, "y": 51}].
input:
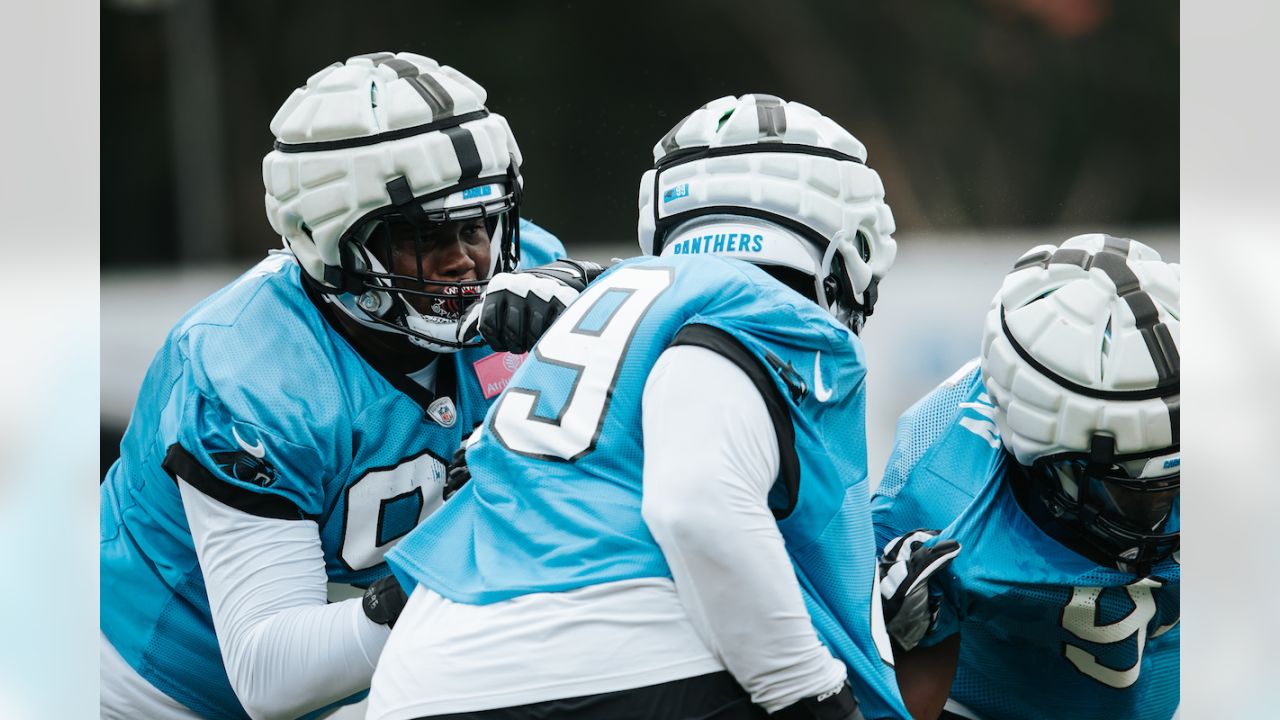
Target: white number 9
[{"x": 590, "y": 337}]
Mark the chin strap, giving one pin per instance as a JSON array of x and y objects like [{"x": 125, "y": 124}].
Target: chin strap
[
  {"x": 1102, "y": 450},
  {"x": 402, "y": 198}
]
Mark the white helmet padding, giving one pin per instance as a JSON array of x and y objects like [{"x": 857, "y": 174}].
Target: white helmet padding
[
  {"x": 1084, "y": 338},
  {"x": 759, "y": 156},
  {"x": 1080, "y": 358},
  {"x": 387, "y": 135}
]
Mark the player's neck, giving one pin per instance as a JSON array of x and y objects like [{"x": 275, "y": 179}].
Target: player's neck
[
  {"x": 1033, "y": 506},
  {"x": 392, "y": 350},
  {"x": 387, "y": 351}
]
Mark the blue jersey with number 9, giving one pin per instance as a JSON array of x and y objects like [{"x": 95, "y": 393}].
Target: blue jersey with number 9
[
  {"x": 1044, "y": 632},
  {"x": 555, "y": 495},
  {"x": 260, "y": 403}
]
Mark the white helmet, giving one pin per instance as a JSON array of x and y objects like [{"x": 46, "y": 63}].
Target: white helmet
[
  {"x": 1080, "y": 358},
  {"x": 385, "y": 140},
  {"x": 798, "y": 174}
]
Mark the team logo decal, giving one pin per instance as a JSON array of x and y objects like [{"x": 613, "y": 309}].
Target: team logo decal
[
  {"x": 248, "y": 463},
  {"x": 822, "y": 394},
  {"x": 441, "y": 410}
]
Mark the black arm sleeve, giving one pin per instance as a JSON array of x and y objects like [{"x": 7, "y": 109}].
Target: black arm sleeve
[{"x": 182, "y": 465}]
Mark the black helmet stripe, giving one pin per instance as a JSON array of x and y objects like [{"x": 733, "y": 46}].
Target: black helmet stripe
[
  {"x": 1164, "y": 352},
  {"x": 1041, "y": 258},
  {"x": 376, "y": 57},
  {"x": 1173, "y": 404},
  {"x": 1114, "y": 261},
  {"x": 1117, "y": 245},
  {"x": 771, "y": 116},
  {"x": 436, "y": 97},
  {"x": 403, "y": 68},
  {"x": 464, "y": 145}
]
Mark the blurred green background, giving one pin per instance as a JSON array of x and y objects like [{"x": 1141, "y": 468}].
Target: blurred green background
[{"x": 977, "y": 113}]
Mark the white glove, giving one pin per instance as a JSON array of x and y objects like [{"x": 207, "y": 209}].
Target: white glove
[
  {"x": 517, "y": 308},
  {"x": 905, "y": 569}
]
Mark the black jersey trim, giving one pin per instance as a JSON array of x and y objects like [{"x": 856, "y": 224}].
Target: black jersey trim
[
  {"x": 729, "y": 347},
  {"x": 182, "y": 465}
]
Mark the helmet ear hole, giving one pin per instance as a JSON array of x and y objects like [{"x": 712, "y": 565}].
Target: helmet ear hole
[
  {"x": 831, "y": 288},
  {"x": 840, "y": 288},
  {"x": 863, "y": 245}
]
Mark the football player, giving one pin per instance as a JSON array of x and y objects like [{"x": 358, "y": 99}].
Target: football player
[
  {"x": 297, "y": 423},
  {"x": 663, "y": 501},
  {"x": 1053, "y": 461}
]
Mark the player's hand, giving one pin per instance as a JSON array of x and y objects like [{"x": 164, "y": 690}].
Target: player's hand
[
  {"x": 384, "y": 600},
  {"x": 517, "y": 308},
  {"x": 905, "y": 569},
  {"x": 457, "y": 473}
]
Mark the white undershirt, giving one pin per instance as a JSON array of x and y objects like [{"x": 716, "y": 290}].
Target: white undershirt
[
  {"x": 287, "y": 650},
  {"x": 711, "y": 455}
]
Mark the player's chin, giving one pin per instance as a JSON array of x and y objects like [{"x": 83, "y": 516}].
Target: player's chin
[{"x": 447, "y": 303}]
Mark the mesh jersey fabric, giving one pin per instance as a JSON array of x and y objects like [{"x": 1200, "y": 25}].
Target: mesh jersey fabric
[
  {"x": 532, "y": 521},
  {"x": 270, "y": 399},
  {"x": 1045, "y": 632}
]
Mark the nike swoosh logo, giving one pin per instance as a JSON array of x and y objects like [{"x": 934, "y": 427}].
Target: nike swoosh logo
[
  {"x": 257, "y": 451},
  {"x": 822, "y": 394}
]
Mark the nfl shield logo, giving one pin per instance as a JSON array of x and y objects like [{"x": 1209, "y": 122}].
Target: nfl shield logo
[{"x": 441, "y": 411}]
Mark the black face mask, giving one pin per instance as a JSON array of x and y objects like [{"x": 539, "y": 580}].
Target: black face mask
[
  {"x": 392, "y": 235},
  {"x": 1121, "y": 504}
]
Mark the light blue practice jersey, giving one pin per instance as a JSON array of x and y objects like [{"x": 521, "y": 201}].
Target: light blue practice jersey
[
  {"x": 1044, "y": 632},
  {"x": 257, "y": 400},
  {"x": 555, "y": 495}
]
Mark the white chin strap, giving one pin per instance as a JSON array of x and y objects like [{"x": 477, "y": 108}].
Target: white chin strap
[
  {"x": 432, "y": 327},
  {"x": 438, "y": 328}
]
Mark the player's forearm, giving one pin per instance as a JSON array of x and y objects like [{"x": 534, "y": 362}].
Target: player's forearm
[
  {"x": 285, "y": 648},
  {"x": 304, "y": 658},
  {"x": 924, "y": 676}
]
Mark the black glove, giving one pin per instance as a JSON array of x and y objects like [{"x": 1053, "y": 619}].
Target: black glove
[
  {"x": 517, "y": 308},
  {"x": 835, "y": 705},
  {"x": 905, "y": 569},
  {"x": 384, "y": 600},
  {"x": 457, "y": 473}
]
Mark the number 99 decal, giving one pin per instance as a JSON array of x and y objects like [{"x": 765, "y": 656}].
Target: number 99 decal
[
  {"x": 1080, "y": 618},
  {"x": 590, "y": 338},
  {"x": 385, "y": 504}
]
